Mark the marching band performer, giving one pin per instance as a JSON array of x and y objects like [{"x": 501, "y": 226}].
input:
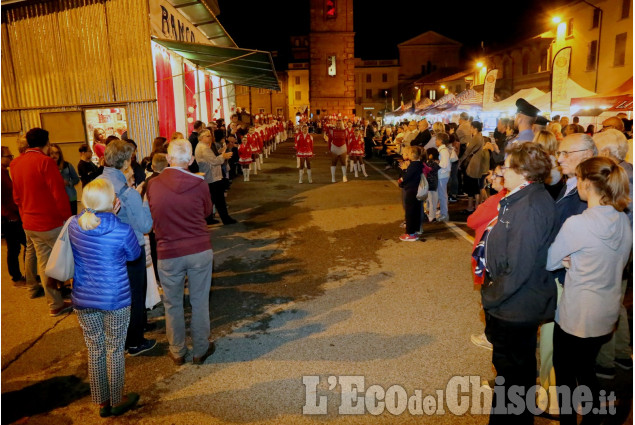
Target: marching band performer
[
  {"x": 356, "y": 152},
  {"x": 304, "y": 149},
  {"x": 336, "y": 138}
]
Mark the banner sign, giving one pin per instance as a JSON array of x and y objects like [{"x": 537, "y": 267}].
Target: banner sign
[
  {"x": 560, "y": 75},
  {"x": 168, "y": 23},
  {"x": 489, "y": 87}
]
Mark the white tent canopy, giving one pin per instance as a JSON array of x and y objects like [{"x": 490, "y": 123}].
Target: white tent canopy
[
  {"x": 509, "y": 105},
  {"x": 563, "y": 106}
]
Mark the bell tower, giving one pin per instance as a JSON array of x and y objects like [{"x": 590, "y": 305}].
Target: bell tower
[{"x": 332, "y": 57}]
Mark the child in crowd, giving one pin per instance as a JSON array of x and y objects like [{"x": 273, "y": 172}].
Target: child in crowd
[
  {"x": 410, "y": 184},
  {"x": 433, "y": 179}
]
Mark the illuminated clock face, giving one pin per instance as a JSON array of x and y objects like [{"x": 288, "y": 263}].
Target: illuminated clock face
[{"x": 330, "y": 62}]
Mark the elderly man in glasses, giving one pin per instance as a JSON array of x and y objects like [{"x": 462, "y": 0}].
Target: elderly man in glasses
[{"x": 572, "y": 150}]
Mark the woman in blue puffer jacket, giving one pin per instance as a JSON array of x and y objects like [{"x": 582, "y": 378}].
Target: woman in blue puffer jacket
[{"x": 102, "y": 245}]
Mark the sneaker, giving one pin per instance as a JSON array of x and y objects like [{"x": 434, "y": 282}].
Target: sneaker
[
  {"x": 209, "y": 352},
  {"x": 67, "y": 307},
  {"x": 387, "y": 167},
  {"x": 39, "y": 292},
  {"x": 128, "y": 402},
  {"x": 452, "y": 199},
  {"x": 20, "y": 283},
  {"x": 480, "y": 340},
  {"x": 177, "y": 360},
  {"x": 230, "y": 221},
  {"x": 626, "y": 364},
  {"x": 604, "y": 372},
  {"x": 344, "y": 179},
  {"x": 212, "y": 221},
  {"x": 444, "y": 218},
  {"x": 146, "y": 345},
  {"x": 408, "y": 238}
]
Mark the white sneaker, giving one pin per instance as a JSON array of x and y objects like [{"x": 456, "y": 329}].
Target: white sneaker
[
  {"x": 333, "y": 180},
  {"x": 300, "y": 181},
  {"x": 344, "y": 179},
  {"x": 481, "y": 341}
]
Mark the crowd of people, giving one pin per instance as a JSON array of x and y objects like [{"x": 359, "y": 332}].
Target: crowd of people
[
  {"x": 132, "y": 219},
  {"x": 530, "y": 188}
]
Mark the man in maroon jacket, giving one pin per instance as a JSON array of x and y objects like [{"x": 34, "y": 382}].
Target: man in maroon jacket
[
  {"x": 38, "y": 190},
  {"x": 179, "y": 203}
]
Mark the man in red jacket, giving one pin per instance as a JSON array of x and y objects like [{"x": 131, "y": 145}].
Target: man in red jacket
[
  {"x": 38, "y": 191},
  {"x": 179, "y": 203}
]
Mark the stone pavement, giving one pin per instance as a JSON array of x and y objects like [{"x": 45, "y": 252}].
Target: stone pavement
[{"x": 312, "y": 282}]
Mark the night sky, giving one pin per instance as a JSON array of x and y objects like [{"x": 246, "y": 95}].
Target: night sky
[{"x": 268, "y": 25}]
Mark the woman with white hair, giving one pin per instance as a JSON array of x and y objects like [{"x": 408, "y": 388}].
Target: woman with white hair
[
  {"x": 102, "y": 244},
  {"x": 613, "y": 144}
]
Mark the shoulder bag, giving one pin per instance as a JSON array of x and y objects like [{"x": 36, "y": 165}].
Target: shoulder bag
[{"x": 61, "y": 264}]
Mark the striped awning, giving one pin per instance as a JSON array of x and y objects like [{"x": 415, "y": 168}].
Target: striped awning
[{"x": 245, "y": 67}]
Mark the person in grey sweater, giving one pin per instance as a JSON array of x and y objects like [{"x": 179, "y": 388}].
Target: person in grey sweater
[{"x": 594, "y": 247}]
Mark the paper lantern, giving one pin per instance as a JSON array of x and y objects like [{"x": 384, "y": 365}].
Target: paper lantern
[
  {"x": 190, "y": 109},
  {"x": 190, "y": 120}
]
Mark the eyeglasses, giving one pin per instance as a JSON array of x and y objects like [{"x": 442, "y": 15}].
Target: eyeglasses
[
  {"x": 567, "y": 153},
  {"x": 8, "y": 156}
]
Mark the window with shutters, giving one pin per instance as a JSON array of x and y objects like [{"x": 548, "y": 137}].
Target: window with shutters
[
  {"x": 369, "y": 94},
  {"x": 384, "y": 78},
  {"x": 297, "y": 80},
  {"x": 369, "y": 78},
  {"x": 298, "y": 95},
  {"x": 620, "y": 50},
  {"x": 626, "y": 8},
  {"x": 596, "y": 18},
  {"x": 591, "y": 58}
]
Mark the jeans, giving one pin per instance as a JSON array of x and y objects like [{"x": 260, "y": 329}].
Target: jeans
[
  {"x": 43, "y": 243},
  {"x": 138, "y": 284},
  {"x": 618, "y": 346},
  {"x": 514, "y": 357},
  {"x": 217, "y": 192},
  {"x": 172, "y": 272},
  {"x": 454, "y": 179},
  {"x": 15, "y": 238},
  {"x": 574, "y": 363},
  {"x": 442, "y": 190},
  {"x": 432, "y": 201}
]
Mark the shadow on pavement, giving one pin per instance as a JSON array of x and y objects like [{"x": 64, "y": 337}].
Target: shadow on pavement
[{"x": 41, "y": 397}]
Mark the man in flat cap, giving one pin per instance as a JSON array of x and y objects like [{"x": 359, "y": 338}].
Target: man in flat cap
[
  {"x": 540, "y": 124},
  {"x": 525, "y": 118}
]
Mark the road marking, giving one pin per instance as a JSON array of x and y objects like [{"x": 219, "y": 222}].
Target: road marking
[
  {"x": 393, "y": 181},
  {"x": 453, "y": 227}
]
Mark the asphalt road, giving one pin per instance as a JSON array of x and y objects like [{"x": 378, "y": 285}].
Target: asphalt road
[{"x": 313, "y": 282}]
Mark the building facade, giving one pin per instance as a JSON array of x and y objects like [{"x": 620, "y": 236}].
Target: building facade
[
  {"x": 332, "y": 62},
  {"x": 426, "y": 53},
  {"x": 265, "y": 101},
  {"x": 376, "y": 83},
  {"x": 298, "y": 90}
]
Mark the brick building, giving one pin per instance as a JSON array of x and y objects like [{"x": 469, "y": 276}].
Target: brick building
[{"x": 332, "y": 61}]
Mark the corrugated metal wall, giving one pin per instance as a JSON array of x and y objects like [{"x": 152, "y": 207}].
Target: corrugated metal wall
[
  {"x": 60, "y": 54},
  {"x": 143, "y": 119}
]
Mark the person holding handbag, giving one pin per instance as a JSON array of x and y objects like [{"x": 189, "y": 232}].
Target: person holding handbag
[{"x": 102, "y": 244}]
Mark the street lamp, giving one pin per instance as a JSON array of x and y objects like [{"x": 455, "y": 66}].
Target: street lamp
[
  {"x": 556, "y": 19},
  {"x": 479, "y": 65}
]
